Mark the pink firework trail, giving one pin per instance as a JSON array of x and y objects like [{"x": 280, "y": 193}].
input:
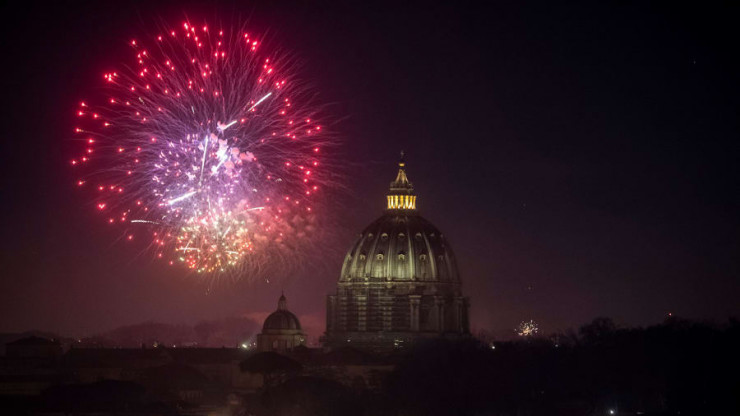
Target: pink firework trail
[{"x": 209, "y": 148}]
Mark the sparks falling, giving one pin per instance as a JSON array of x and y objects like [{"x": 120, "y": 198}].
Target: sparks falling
[{"x": 209, "y": 148}]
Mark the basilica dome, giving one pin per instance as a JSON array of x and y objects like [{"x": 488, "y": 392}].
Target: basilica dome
[
  {"x": 401, "y": 245},
  {"x": 399, "y": 281}
]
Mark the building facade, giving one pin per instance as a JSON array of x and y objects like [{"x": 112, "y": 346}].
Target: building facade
[{"x": 399, "y": 281}]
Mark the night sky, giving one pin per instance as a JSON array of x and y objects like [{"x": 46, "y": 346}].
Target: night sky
[{"x": 582, "y": 160}]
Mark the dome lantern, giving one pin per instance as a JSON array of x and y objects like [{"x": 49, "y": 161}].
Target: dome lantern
[
  {"x": 401, "y": 195},
  {"x": 282, "y": 303}
]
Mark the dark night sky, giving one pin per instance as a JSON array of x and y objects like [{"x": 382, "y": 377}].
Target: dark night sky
[{"x": 582, "y": 160}]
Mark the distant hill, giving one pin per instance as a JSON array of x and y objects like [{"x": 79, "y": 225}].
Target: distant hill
[
  {"x": 7, "y": 337},
  {"x": 227, "y": 332}
]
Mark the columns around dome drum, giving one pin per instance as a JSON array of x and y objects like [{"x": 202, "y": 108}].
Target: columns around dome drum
[
  {"x": 460, "y": 315},
  {"x": 354, "y": 311},
  {"x": 414, "y": 302},
  {"x": 457, "y": 313},
  {"x": 361, "y": 301},
  {"x": 439, "y": 314},
  {"x": 387, "y": 315}
]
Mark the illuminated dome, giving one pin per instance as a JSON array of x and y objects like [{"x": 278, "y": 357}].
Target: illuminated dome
[
  {"x": 399, "y": 280},
  {"x": 401, "y": 245}
]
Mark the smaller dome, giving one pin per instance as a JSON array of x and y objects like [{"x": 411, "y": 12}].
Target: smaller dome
[{"x": 282, "y": 319}]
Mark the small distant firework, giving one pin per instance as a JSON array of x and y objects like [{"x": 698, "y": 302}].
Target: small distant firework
[
  {"x": 208, "y": 148},
  {"x": 527, "y": 329}
]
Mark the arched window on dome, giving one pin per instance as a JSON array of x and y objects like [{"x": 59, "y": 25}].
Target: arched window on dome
[
  {"x": 401, "y": 256},
  {"x": 423, "y": 257},
  {"x": 384, "y": 236},
  {"x": 379, "y": 256},
  {"x": 401, "y": 236}
]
